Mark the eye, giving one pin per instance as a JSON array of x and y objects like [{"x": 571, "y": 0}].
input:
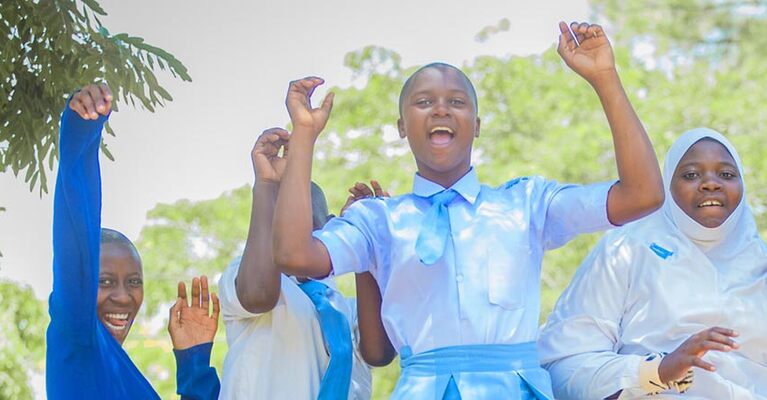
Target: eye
[
  {"x": 728, "y": 175},
  {"x": 106, "y": 282},
  {"x": 423, "y": 102},
  {"x": 137, "y": 282},
  {"x": 690, "y": 175},
  {"x": 457, "y": 101}
]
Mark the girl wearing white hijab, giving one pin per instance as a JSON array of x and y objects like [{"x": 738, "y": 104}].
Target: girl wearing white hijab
[{"x": 674, "y": 305}]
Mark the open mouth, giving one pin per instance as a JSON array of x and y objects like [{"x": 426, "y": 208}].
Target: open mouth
[
  {"x": 116, "y": 321},
  {"x": 441, "y": 136},
  {"x": 710, "y": 203}
]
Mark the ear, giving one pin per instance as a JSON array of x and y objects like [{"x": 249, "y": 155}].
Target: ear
[
  {"x": 476, "y": 131},
  {"x": 401, "y": 128}
]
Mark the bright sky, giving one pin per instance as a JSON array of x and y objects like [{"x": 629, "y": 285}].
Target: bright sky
[{"x": 241, "y": 55}]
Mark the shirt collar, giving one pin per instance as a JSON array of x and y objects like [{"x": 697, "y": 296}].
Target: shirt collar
[{"x": 467, "y": 186}]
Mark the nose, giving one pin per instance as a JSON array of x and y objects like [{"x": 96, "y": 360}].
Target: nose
[
  {"x": 440, "y": 108},
  {"x": 710, "y": 183},
  {"x": 120, "y": 295}
]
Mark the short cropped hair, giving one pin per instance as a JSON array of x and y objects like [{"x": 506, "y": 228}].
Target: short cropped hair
[
  {"x": 111, "y": 236},
  {"x": 442, "y": 67}
]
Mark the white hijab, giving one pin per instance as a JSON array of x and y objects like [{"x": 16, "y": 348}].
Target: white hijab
[{"x": 727, "y": 244}]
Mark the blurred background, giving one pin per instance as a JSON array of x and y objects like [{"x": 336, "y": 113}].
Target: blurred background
[{"x": 197, "y": 82}]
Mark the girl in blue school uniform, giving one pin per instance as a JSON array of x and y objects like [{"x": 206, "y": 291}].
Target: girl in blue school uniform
[
  {"x": 98, "y": 283},
  {"x": 457, "y": 262}
]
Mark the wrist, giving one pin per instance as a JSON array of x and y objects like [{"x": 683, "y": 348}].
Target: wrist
[
  {"x": 653, "y": 377},
  {"x": 303, "y": 134},
  {"x": 605, "y": 79},
  {"x": 266, "y": 184}
]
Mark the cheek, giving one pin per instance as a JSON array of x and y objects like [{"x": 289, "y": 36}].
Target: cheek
[
  {"x": 101, "y": 297},
  {"x": 138, "y": 296},
  {"x": 682, "y": 193}
]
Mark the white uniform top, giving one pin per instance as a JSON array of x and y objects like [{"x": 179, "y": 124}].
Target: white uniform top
[
  {"x": 281, "y": 354},
  {"x": 649, "y": 286}
]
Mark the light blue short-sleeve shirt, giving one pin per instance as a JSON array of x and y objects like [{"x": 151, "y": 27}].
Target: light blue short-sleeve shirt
[{"x": 486, "y": 287}]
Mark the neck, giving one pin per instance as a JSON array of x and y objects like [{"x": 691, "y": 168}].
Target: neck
[{"x": 444, "y": 179}]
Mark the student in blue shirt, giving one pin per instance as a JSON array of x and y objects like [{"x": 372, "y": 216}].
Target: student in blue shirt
[
  {"x": 458, "y": 263},
  {"x": 97, "y": 275}
]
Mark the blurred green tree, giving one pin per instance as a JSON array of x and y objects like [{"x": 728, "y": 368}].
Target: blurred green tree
[{"x": 22, "y": 339}]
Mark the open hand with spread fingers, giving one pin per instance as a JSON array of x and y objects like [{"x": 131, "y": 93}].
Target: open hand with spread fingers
[
  {"x": 689, "y": 354},
  {"x": 193, "y": 324}
]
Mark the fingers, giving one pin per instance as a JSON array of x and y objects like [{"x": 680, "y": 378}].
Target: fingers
[
  {"x": 360, "y": 190},
  {"x": 721, "y": 336},
  {"x": 377, "y": 190},
  {"x": 698, "y": 362},
  {"x": 175, "y": 309},
  {"x": 327, "y": 103},
  {"x": 182, "y": 293},
  {"x": 195, "y": 292},
  {"x": 91, "y": 101},
  {"x": 301, "y": 90},
  {"x": 216, "y": 306},
  {"x": 204, "y": 296},
  {"x": 566, "y": 40}
]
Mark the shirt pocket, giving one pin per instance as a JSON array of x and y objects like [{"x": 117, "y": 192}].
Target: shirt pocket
[{"x": 508, "y": 276}]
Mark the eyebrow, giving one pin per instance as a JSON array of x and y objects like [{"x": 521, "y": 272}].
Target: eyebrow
[
  {"x": 430, "y": 92},
  {"x": 695, "y": 163}
]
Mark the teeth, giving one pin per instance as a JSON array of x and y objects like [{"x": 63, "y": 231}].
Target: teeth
[
  {"x": 710, "y": 203},
  {"x": 441, "y": 128},
  {"x": 122, "y": 316},
  {"x": 115, "y": 327}
]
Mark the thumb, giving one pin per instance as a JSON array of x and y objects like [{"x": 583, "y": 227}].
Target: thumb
[
  {"x": 173, "y": 314},
  {"x": 327, "y": 103}
]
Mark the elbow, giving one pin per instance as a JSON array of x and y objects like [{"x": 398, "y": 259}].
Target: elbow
[
  {"x": 376, "y": 357},
  {"x": 290, "y": 263},
  {"x": 653, "y": 199},
  {"x": 258, "y": 303}
]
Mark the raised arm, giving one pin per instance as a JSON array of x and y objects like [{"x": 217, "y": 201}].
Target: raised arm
[
  {"x": 77, "y": 214},
  {"x": 640, "y": 189},
  {"x": 296, "y": 251},
  {"x": 258, "y": 279}
]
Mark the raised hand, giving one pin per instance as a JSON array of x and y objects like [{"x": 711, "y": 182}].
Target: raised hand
[
  {"x": 675, "y": 365},
  {"x": 192, "y": 325},
  {"x": 91, "y": 101},
  {"x": 360, "y": 191},
  {"x": 268, "y": 164},
  {"x": 305, "y": 118},
  {"x": 593, "y": 57}
]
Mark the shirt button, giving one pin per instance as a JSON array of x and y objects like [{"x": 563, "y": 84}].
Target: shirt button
[{"x": 459, "y": 278}]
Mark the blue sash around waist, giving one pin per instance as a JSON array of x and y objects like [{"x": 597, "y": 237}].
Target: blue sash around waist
[{"x": 479, "y": 372}]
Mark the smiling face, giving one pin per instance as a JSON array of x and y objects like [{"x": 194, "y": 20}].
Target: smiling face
[
  {"x": 439, "y": 119},
  {"x": 706, "y": 184},
  {"x": 121, "y": 288}
]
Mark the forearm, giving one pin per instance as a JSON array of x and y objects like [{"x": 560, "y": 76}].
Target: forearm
[
  {"x": 77, "y": 223},
  {"x": 640, "y": 189},
  {"x": 195, "y": 378},
  {"x": 595, "y": 375},
  {"x": 375, "y": 346},
  {"x": 258, "y": 280},
  {"x": 296, "y": 251}
]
